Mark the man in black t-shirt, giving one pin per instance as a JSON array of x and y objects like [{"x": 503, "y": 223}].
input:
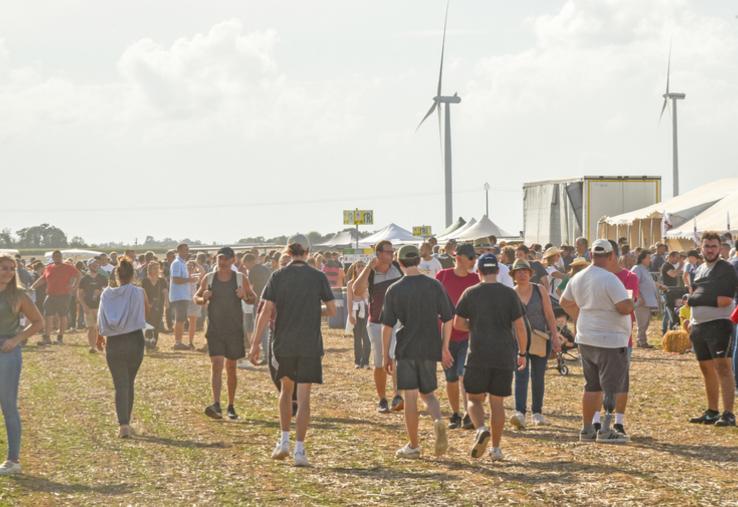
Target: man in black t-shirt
[
  {"x": 490, "y": 311},
  {"x": 295, "y": 293},
  {"x": 417, "y": 302},
  {"x": 88, "y": 293}
]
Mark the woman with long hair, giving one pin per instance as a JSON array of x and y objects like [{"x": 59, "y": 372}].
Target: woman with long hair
[
  {"x": 358, "y": 310},
  {"x": 157, "y": 294},
  {"x": 122, "y": 319},
  {"x": 14, "y": 302},
  {"x": 540, "y": 316}
]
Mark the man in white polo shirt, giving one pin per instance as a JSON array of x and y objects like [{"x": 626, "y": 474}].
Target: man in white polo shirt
[{"x": 601, "y": 307}]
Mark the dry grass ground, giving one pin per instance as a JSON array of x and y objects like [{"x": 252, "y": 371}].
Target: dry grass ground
[{"x": 71, "y": 454}]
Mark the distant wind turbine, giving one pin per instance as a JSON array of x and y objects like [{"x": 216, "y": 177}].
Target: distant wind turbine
[
  {"x": 673, "y": 96},
  {"x": 437, "y": 101}
]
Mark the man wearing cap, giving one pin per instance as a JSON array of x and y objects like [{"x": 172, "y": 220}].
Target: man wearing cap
[
  {"x": 223, "y": 290},
  {"x": 417, "y": 302},
  {"x": 381, "y": 272},
  {"x": 296, "y": 293},
  {"x": 490, "y": 311},
  {"x": 456, "y": 281},
  {"x": 601, "y": 307},
  {"x": 88, "y": 293}
]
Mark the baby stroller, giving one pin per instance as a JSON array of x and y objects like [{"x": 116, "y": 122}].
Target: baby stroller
[{"x": 568, "y": 346}]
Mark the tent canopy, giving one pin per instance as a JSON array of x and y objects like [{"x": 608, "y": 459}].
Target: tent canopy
[
  {"x": 9, "y": 251},
  {"x": 393, "y": 233},
  {"x": 458, "y": 231},
  {"x": 75, "y": 254},
  {"x": 714, "y": 218},
  {"x": 682, "y": 207},
  {"x": 482, "y": 229},
  {"x": 460, "y": 222},
  {"x": 339, "y": 239}
]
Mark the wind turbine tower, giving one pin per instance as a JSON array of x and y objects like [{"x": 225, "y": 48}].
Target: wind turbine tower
[{"x": 673, "y": 96}]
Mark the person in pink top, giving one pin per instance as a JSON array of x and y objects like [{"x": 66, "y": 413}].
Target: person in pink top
[{"x": 610, "y": 402}]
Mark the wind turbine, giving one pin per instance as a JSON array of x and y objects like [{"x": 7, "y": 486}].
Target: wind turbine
[
  {"x": 446, "y": 132},
  {"x": 673, "y": 96}
]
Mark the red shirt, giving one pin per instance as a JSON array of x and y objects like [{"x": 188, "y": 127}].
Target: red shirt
[
  {"x": 455, "y": 286},
  {"x": 59, "y": 279},
  {"x": 630, "y": 280}
]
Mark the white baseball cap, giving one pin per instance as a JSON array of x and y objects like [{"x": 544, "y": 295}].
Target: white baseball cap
[{"x": 601, "y": 246}]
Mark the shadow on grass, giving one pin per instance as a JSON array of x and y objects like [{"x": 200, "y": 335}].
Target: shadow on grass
[
  {"x": 335, "y": 350},
  {"x": 34, "y": 483},
  {"x": 389, "y": 473},
  {"x": 715, "y": 453},
  {"x": 187, "y": 444},
  {"x": 158, "y": 354}
]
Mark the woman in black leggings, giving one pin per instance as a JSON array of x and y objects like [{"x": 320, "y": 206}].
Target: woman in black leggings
[{"x": 122, "y": 318}]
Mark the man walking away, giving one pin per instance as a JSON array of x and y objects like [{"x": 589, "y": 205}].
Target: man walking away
[{"x": 417, "y": 302}]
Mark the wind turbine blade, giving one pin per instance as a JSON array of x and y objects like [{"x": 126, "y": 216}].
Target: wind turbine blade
[
  {"x": 668, "y": 70},
  {"x": 443, "y": 49},
  {"x": 663, "y": 108},
  {"x": 430, "y": 112}
]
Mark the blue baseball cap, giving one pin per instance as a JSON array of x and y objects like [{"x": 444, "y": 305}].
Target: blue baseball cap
[{"x": 487, "y": 261}]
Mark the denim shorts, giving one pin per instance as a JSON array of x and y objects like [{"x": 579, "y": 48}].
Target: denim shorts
[{"x": 458, "y": 352}]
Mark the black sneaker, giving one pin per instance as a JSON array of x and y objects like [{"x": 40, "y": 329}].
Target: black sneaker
[
  {"x": 231, "y": 413},
  {"x": 467, "y": 423},
  {"x": 708, "y": 417},
  {"x": 397, "y": 403},
  {"x": 727, "y": 419},
  {"x": 59, "y": 339},
  {"x": 214, "y": 411},
  {"x": 619, "y": 428},
  {"x": 454, "y": 422},
  {"x": 45, "y": 340},
  {"x": 597, "y": 426},
  {"x": 383, "y": 406},
  {"x": 480, "y": 443}
]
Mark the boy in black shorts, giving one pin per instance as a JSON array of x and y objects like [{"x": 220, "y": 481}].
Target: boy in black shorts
[
  {"x": 417, "y": 302},
  {"x": 490, "y": 311},
  {"x": 223, "y": 290}
]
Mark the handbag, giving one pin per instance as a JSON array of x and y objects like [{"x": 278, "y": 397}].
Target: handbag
[{"x": 538, "y": 342}]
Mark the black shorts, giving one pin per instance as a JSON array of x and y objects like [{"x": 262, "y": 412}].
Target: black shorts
[
  {"x": 417, "y": 374},
  {"x": 712, "y": 340},
  {"x": 179, "y": 310},
  {"x": 57, "y": 305},
  {"x": 495, "y": 381},
  {"x": 302, "y": 370},
  {"x": 232, "y": 347}
]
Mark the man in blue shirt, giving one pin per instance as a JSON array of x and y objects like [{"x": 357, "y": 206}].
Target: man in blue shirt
[{"x": 180, "y": 293}]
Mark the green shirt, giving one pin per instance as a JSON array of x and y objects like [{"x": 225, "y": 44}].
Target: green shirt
[{"x": 9, "y": 318}]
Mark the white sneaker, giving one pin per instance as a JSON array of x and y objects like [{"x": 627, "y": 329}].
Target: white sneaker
[
  {"x": 408, "y": 452},
  {"x": 10, "y": 468},
  {"x": 301, "y": 459},
  {"x": 538, "y": 420},
  {"x": 245, "y": 364},
  {"x": 518, "y": 421},
  {"x": 439, "y": 428},
  {"x": 281, "y": 450},
  {"x": 495, "y": 454}
]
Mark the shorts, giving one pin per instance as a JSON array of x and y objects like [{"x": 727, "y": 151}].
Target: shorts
[
  {"x": 495, "y": 381},
  {"x": 458, "y": 352},
  {"x": 193, "y": 309},
  {"x": 232, "y": 347},
  {"x": 91, "y": 318},
  {"x": 417, "y": 374},
  {"x": 57, "y": 305},
  {"x": 712, "y": 340},
  {"x": 179, "y": 310},
  {"x": 375, "y": 336},
  {"x": 604, "y": 369},
  {"x": 302, "y": 370}
]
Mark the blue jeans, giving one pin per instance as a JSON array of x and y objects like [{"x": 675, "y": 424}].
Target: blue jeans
[
  {"x": 735, "y": 355},
  {"x": 10, "y": 371},
  {"x": 535, "y": 370}
]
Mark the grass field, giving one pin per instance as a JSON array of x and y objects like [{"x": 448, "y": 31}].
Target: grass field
[{"x": 71, "y": 454}]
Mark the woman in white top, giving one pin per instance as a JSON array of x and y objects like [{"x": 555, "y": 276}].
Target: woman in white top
[
  {"x": 122, "y": 318},
  {"x": 358, "y": 314}
]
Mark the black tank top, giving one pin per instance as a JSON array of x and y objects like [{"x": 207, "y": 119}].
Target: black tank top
[{"x": 225, "y": 317}]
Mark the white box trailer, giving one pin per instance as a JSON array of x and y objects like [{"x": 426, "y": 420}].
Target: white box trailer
[{"x": 559, "y": 211}]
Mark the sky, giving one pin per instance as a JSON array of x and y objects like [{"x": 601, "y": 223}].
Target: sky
[{"x": 221, "y": 120}]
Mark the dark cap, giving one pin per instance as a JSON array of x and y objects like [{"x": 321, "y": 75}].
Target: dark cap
[
  {"x": 227, "y": 252},
  {"x": 408, "y": 252},
  {"x": 467, "y": 250},
  {"x": 487, "y": 261}
]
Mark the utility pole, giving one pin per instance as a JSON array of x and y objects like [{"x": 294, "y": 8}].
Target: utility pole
[{"x": 486, "y": 199}]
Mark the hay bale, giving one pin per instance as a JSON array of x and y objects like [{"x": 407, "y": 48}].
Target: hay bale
[{"x": 676, "y": 341}]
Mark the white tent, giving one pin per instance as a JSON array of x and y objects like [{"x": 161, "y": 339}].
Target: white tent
[
  {"x": 460, "y": 222},
  {"x": 9, "y": 251},
  {"x": 343, "y": 238},
  {"x": 74, "y": 254},
  {"x": 482, "y": 229},
  {"x": 458, "y": 231},
  {"x": 643, "y": 227},
  {"x": 721, "y": 217},
  {"x": 393, "y": 233}
]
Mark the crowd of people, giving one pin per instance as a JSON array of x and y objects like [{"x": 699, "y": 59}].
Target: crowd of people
[{"x": 491, "y": 313}]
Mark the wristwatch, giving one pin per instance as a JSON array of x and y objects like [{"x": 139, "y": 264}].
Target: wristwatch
[{"x": 522, "y": 355}]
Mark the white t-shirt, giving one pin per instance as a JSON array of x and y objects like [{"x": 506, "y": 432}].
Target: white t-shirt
[
  {"x": 503, "y": 275},
  {"x": 430, "y": 267},
  {"x": 596, "y": 291},
  {"x": 108, "y": 268}
]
